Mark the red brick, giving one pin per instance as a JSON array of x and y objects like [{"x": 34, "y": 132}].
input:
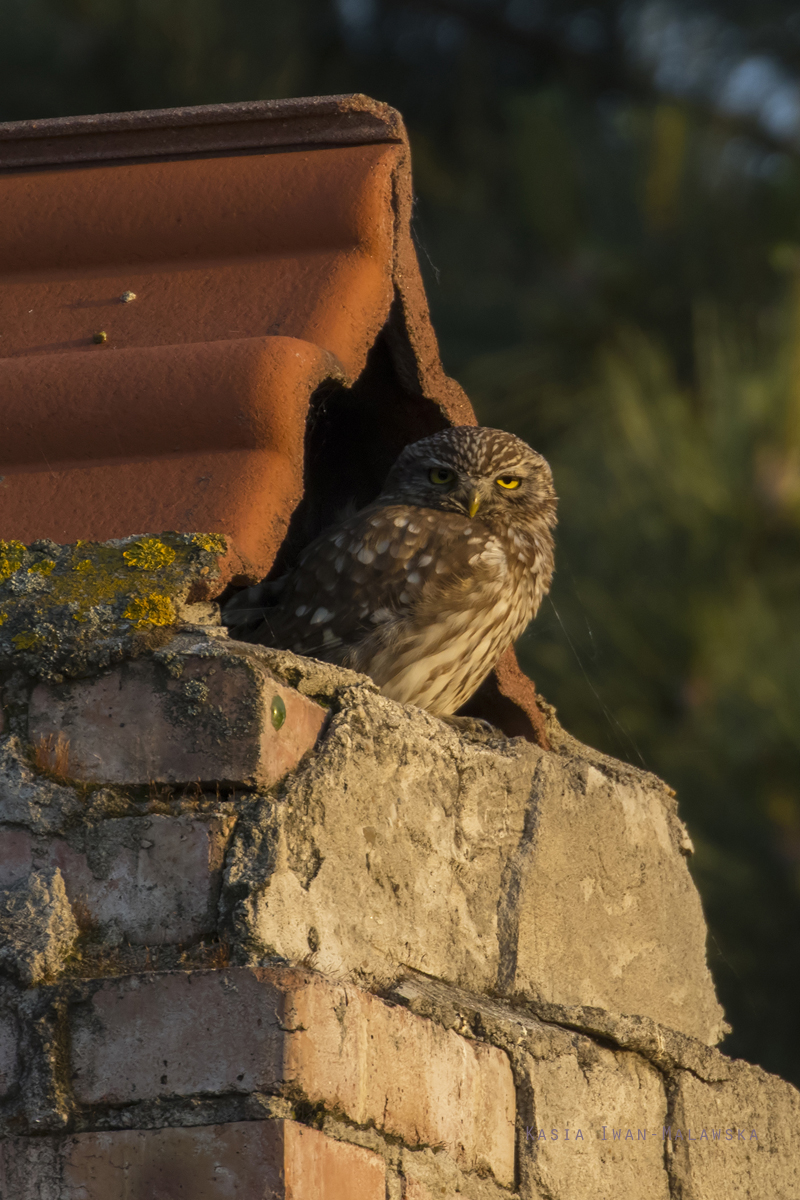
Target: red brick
[
  {"x": 207, "y": 717},
  {"x": 382, "y": 1064},
  {"x": 178, "y": 1033},
  {"x": 15, "y": 856},
  {"x": 161, "y": 875},
  {"x": 318, "y": 1168},
  {"x": 243, "y": 1030},
  {"x": 248, "y": 1160},
  {"x": 161, "y": 881},
  {"x": 212, "y": 1162}
]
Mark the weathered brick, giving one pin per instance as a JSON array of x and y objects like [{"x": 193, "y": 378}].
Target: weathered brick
[
  {"x": 413, "y": 1079},
  {"x": 582, "y": 1108},
  {"x": 9, "y": 1058},
  {"x": 200, "y": 1163},
  {"x": 319, "y": 1168},
  {"x": 156, "y": 878},
  {"x": 177, "y": 1033},
  {"x": 426, "y": 1174},
  {"x": 178, "y": 718},
  {"x": 30, "y": 1169},
  {"x": 243, "y": 1030},
  {"x": 735, "y": 1138},
  {"x": 252, "y": 1160},
  {"x": 414, "y": 1190},
  {"x": 16, "y": 858}
]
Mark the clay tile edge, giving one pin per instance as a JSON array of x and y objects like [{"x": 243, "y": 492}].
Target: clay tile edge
[{"x": 202, "y": 129}]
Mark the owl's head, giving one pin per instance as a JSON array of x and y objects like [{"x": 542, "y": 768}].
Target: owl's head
[{"x": 485, "y": 473}]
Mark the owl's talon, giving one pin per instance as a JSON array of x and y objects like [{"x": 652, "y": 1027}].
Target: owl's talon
[{"x": 475, "y": 728}]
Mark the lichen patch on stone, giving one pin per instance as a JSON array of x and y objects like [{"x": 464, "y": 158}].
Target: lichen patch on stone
[
  {"x": 144, "y": 611},
  {"x": 150, "y": 554},
  {"x": 68, "y": 609},
  {"x": 12, "y": 556}
]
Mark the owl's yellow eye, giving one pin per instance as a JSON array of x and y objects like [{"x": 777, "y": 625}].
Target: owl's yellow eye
[
  {"x": 508, "y": 481},
  {"x": 441, "y": 475}
]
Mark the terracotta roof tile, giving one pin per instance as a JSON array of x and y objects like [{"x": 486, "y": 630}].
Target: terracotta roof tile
[
  {"x": 261, "y": 267},
  {"x": 211, "y": 319}
]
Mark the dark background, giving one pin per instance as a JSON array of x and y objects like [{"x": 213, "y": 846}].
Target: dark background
[{"x": 608, "y": 219}]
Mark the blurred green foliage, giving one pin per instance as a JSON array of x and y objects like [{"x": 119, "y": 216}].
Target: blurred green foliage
[{"x": 616, "y": 277}]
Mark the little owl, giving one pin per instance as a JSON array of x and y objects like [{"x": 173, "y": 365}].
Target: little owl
[{"x": 426, "y": 587}]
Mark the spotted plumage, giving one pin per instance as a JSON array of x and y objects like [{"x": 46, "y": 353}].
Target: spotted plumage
[{"x": 427, "y": 586}]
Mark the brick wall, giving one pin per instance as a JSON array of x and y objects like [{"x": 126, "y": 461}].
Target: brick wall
[{"x": 348, "y": 958}]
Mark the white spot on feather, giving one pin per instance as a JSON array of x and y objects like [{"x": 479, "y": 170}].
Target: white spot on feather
[
  {"x": 301, "y": 611},
  {"x": 321, "y": 615},
  {"x": 365, "y": 555},
  {"x": 494, "y": 555}
]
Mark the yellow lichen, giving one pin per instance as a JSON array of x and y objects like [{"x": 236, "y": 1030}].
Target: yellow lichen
[
  {"x": 150, "y": 610},
  {"x": 42, "y": 568},
  {"x": 102, "y": 579},
  {"x": 27, "y": 640},
  {"x": 12, "y": 556},
  {"x": 149, "y": 555},
  {"x": 96, "y": 580},
  {"x": 214, "y": 543}
]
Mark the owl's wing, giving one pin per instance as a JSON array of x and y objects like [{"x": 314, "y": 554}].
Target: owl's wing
[
  {"x": 348, "y": 582},
  {"x": 368, "y": 582}
]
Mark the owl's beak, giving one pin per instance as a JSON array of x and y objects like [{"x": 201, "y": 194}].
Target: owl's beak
[{"x": 474, "y": 501}]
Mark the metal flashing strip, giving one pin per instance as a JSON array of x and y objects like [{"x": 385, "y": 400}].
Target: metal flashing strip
[{"x": 204, "y": 129}]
